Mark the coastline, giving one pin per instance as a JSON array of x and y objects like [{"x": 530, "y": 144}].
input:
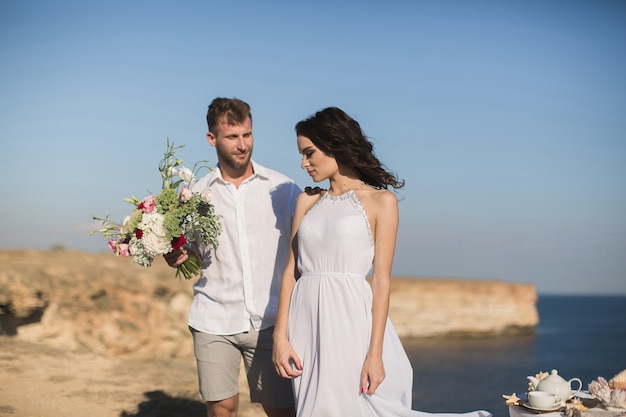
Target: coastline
[{"x": 91, "y": 334}]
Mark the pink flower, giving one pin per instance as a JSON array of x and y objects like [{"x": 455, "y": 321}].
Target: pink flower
[
  {"x": 113, "y": 246},
  {"x": 185, "y": 194},
  {"x": 124, "y": 249},
  {"x": 148, "y": 205}
]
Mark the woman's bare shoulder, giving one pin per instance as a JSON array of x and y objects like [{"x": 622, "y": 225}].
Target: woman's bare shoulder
[{"x": 379, "y": 197}]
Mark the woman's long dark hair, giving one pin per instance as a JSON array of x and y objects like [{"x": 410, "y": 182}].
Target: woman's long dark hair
[{"x": 338, "y": 135}]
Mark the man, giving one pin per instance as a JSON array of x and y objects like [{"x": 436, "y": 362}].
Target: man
[{"x": 235, "y": 300}]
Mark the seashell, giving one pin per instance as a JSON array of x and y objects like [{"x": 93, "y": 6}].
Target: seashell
[
  {"x": 609, "y": 397},
  {"x": 619, "y": 380}
]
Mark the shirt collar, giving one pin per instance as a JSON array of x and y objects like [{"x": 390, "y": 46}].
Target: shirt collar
[{"x": 259, "y": 171}]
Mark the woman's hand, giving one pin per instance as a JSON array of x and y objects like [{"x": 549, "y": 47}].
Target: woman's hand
[
  {"x": 285, "y": 358},
  {"x": 372, "y": 374}
]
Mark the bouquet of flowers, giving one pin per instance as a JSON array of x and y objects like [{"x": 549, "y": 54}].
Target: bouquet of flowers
[{"x": 165, "y": 222}]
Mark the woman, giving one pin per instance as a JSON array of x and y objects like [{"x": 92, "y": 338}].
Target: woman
[{"x": 333, "y": 337}]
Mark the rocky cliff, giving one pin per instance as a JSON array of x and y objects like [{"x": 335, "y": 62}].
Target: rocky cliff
[
  {"x": 102, "y": 303},
  {"x": 435, "y": 307}
]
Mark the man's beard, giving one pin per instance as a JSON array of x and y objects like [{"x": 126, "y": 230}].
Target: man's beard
[{"x": 233, "y": 162}]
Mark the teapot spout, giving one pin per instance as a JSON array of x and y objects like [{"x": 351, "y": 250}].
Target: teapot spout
[{"x": 533, "y": 381}]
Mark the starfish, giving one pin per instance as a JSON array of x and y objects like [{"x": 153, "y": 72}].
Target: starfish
[
  {"x": 511, "y": 399},
  {"x": 577, "y": 404},
  {"x": 541, "y": 375}
]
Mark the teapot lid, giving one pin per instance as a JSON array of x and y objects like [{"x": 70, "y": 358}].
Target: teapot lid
[{"x": 554, "y": 375}]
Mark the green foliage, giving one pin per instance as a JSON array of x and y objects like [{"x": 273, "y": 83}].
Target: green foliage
[{"x": 180, "y": 211}]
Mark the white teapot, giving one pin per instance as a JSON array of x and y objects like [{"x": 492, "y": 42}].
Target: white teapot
[{"x": 556, "y": 385}]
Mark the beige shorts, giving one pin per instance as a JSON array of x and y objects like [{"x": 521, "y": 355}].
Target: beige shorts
[{"x": 219, "y": 357}]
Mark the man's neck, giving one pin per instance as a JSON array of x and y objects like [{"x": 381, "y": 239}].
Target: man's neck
[{"x": 236, "y": 176}]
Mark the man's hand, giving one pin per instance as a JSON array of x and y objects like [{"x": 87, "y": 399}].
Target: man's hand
[{"x": 176, "y": 257}]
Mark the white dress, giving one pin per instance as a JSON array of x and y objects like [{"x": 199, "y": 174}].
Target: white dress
[{"x": 330, "y": 319}]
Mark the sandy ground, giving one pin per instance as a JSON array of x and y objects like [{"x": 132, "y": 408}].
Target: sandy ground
[{"x": 40, "y": 381}]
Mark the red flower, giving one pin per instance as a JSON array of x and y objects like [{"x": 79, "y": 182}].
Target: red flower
[
  {"x": 138, "y": 233},
  {"x": 178, "y": 242}
]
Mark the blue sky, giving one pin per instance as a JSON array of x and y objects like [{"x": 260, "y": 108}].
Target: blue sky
[{"x": 507, "y": 119}]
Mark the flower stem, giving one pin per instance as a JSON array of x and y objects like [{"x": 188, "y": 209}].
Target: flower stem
[{"x": 190, "y": 268}]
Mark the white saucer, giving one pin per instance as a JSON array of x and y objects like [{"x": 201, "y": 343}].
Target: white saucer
[{"x": 556, "y": 407}]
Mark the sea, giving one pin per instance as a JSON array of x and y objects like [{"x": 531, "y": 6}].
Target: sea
[{"x": 580, "y": 336}]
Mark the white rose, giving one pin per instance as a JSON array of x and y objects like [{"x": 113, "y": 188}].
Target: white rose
[
  {"x": 124, "y": 223},
  {"x": 171, "y": 172},
  {"x": 206, "y": 195},
  {"x": 186, "y": 175}
]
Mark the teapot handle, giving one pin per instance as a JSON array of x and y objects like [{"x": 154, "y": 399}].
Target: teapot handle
[{"x": 580, "y": 386}]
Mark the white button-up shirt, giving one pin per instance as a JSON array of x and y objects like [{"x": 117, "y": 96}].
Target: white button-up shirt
[{"x": 240, "y": 281}]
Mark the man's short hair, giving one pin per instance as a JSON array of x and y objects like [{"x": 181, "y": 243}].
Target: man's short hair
[{"x": 235, "y": 112}]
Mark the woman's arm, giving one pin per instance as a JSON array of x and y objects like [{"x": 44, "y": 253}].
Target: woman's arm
[
  {"x": 385, "y": 227},
  {"x": 283, "y": 354}
]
